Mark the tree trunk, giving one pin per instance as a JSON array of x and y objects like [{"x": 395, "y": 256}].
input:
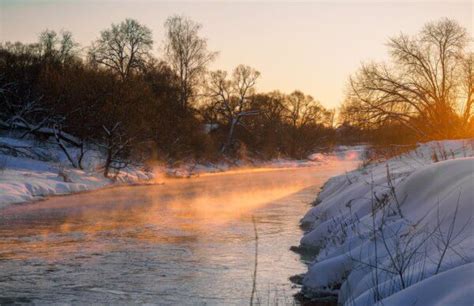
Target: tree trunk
[{"x": 230, "y": 136}]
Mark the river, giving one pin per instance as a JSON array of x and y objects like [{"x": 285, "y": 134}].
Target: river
[{"x": 187, "y": 241}]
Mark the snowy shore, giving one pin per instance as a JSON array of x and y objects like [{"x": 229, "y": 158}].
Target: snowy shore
[
  {"x": 398, "y": 232},
  {"x": 191, "y": 169},
  {"x": 36, "y": 170}
]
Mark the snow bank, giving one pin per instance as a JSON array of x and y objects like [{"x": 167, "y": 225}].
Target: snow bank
[
  {"x": 190, "y": 169},
  {"x": 398, "y": 232},
  {"x": 453, "y": 287},
  {"x": 35, "y": 170}
]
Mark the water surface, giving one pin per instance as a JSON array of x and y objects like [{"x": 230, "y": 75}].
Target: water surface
[{"x": 188, "y": 241}]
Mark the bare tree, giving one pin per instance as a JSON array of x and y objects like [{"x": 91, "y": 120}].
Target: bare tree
[
  {"x": 123, "y": 48},
  {"x": 47, "y": 42},
  {"x": 186, "y": 52},
  {"x": 115, "y": 143},
  {"x": 231, "y": 97},
  {"x": 306, "y": 118},
  {"x": 57, "y": 47},
  {"x": 273, "y": 106},
  {"x": 351, "y": 112},
  {"x": 421, "y": 88},
  {"x": 303, "y": 110}
]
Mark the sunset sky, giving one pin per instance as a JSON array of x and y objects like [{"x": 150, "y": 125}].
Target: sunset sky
[{"x": 311, "y": 46}]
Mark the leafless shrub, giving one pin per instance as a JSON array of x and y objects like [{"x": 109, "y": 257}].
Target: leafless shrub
[
  {"x": 450, "y": 239},
  {"x": 400, "y": 246},
  {"x": 378, "y": 153}
]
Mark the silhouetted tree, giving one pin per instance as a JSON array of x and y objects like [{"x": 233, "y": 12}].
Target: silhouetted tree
[
  {"x": 307, "y": 118},
  {"x": 303, "y": 110},
  {"x": 232, "y": 97},
  {"x": 422, "y": 88},
  {"x": 55, "y": 47},
  {"x": 187, "y": 54},
  {"x": 123, "y": 48}
]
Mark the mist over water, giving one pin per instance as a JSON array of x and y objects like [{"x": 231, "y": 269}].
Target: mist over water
[{"x": 188, "y": 240}]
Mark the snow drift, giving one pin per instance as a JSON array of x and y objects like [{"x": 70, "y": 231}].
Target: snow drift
[{"x": 398, "y": 232}]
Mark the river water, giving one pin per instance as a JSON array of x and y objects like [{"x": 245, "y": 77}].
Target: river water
[{"x": 187, "y": 241}]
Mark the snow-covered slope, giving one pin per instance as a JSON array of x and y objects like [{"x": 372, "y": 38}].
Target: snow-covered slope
[
  {"x": 398, "y": 232},
  {"x": 34, "y": 170}
]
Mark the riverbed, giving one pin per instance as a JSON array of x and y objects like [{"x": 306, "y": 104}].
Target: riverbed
[{"x": 186, "y": 241}]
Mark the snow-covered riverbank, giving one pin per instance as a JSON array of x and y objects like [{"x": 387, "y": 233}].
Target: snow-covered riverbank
[
  {"x": 31, "y": 170},
  {"x": 190, "y": 169},
  {"x": 398, "y": 232}
]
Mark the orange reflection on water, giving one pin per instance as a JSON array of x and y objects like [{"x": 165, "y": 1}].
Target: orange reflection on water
[{"x": 178, "y": 211}]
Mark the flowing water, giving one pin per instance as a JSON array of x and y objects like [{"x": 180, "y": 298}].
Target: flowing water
[{"x": 187, "y": 241}]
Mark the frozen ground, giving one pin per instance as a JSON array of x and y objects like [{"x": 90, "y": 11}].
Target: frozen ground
[
  {"x": 35, "y": 170},
  {"x": 398, "y": 232}
]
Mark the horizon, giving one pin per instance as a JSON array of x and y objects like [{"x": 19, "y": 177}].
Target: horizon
[{"x": 309, "y": 46}]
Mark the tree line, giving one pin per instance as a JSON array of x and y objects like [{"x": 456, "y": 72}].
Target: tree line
[{"x": 118, "y": 96}]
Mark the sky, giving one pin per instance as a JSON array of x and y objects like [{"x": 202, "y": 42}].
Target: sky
[{"x": 311, "y": 46}]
